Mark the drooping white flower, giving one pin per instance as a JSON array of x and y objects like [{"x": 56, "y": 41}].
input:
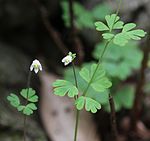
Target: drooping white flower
[
  {"x": 68, "y": 59},
  {"x": 36, "y": 66}
]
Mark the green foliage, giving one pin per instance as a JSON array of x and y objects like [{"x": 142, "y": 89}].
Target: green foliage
[
  {"x": 63, "y": 87},
  {"x": 99, "y": 82},
  {"x": 28, "y": 109},
  {"x": 29, "y": 94},
  {"x": 128, "y": 34},
  {"x": 120, "y": 62},
  {"x": 122, "y": 38},
  {"x": 112, "y": 23},
  {"x": 90, "y": 104},
  {"x": 14, "y": 100},
  {"x": 123, "y": 98},
  {"x": 101, "y": 97},
  {"x": 31, "y": 98},
  {"x": 83, "y": 17}
]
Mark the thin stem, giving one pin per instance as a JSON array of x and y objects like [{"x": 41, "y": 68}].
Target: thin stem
[
  {"x": 119, "y": 6},
  {"x": 76, "y": 126},
  {"x": 78, "y": 112},
  {"x": 117, "y": 12},
  {"x": 25, "y": 117},
  {"x": 74, "y": 73},
  {"x": 106, "y": 45},
  {"x": 24, "y": 124},
  {"x": 113, "y": 118}
]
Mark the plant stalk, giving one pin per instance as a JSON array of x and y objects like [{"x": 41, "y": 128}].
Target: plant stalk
[
  {"x": 25, "y": 117},
  {"x": 75, "y": 77},
  {"x": 99, "y": 61},
  {"x": 77, "y": 112},
  {"x": 76, "y": 125}
]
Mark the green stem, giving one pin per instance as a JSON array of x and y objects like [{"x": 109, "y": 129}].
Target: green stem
[
  {"x": 117, "y": 12},
  {"x": 78, "y": 112},
  {"x": 76, "y": 125},
  {"x": 25, "y": 117},
  {"x": 99, "y": 61},
  {"x": 74, "y": 73}
]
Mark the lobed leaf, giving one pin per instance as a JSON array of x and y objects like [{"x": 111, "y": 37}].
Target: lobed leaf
[
  {"x": 28, "y": 109},
  {"x": 29, "y": 94},
  {"x": 63, "y": 87},
  {"x": 99, "y": 82},
  {"x": 128, "y": 34},
  {"x": 89, "y": 103},
  {"x": 14, "y": 100}
]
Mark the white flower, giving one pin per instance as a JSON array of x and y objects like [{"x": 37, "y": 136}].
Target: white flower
[
  {"x": 66, "y": 60},
  {"x": 36, "y": 65},
  {"x": 69, "y": 58}
]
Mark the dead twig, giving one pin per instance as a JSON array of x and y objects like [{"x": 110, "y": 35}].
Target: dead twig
[
  {"x": 137, "y": 106},
  {"x": 113, "y": 118}
]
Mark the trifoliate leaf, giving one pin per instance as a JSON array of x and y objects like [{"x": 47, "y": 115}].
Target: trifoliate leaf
[
  {"x": 14, "y": 100},
  {"x": 113, "y": 22},
  {"x": 99, "y": 82},
  {"x": 63, "y": 87},
  {"x": 128, "y": 34},
  {"x": 90, "y": 104},
  {"x": 29, "y": 94},
  {"x": 28, "y": 109}
]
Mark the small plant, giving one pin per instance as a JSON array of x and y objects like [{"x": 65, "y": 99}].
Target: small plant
[
  {"x": 28, "y": 94},
  {"x": 94, "y": 77}
]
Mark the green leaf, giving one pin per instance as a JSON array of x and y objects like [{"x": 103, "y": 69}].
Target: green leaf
[
  {"x": 101, "y": 97},
  {"x": 128, "y": 27},
  {"x": 101, "y": 26},
  {"x": 85, "y": 19},
  {"x": 28, "y": 110},
  {"x": 90, "y": 104},
  {"x": 63, "y": 87},
  {"x": 29, "y": 94},
  {"x": 21, "y": 107},
  {"x": 80, "y": 103},
  {"x": 108, "y": 36},
  {"x": 101, "y": 10},
  {"x": 128, "y": 34},
  {"x": 113, "y": 22},
  {"x": 14, "y": 100},
  {"x": 120, "y": 62},
  {"x": 99, "y": 82},
  {"x": 125, "y": 96}
]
